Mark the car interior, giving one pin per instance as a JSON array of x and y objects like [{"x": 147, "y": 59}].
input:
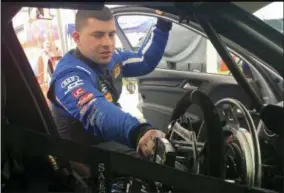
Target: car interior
[{"x": 224, "y": 131}]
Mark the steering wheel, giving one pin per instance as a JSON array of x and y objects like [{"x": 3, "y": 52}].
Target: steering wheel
[
  {"x": 215, "y": 145},
  {"x": 230, "y": 151}
]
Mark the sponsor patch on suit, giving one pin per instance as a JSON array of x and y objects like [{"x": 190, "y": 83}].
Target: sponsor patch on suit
[
  {"x": 116, "y": 70},
  {"x": 78, "y": 92},
  {"x": 108, "y": 97},
  {"x": 83, "y": 109},
  {"x": 70, "y": 83},
  {"x": 85, "y": 98}
]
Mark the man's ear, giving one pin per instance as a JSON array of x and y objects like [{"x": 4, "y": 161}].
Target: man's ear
[{"x": 76, "y": 37}]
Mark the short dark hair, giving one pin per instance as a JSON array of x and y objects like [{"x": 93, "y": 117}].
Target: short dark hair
[{"x": 104, "y": 14}]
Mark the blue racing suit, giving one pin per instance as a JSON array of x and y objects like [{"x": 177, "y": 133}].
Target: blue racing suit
[{"x": 86, "y": 93}]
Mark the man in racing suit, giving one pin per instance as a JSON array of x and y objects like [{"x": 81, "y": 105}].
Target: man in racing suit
[{"x": 87, "y": 83}]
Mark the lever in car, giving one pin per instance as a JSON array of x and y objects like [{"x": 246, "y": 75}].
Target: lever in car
[
  {"x": 184, "y": 134},
  {"x": 165, "y": 154},
  {"x": 163, "y": 150},
  {"x": 185, "y": 143}
]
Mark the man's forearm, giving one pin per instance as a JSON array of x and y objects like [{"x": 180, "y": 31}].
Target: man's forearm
[
  {"x": 150, "y": 53},
  {"x": 111, "y": 123}
]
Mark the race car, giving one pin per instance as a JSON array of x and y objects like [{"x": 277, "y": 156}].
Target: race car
[{"x": 224, "y": 132}]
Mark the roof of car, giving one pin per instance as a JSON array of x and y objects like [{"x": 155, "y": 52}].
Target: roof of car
[{"x": 251, "y": 7}]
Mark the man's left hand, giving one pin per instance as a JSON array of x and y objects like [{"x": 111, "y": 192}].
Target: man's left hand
[
  {"x": 164, "y": 25},
  {"x": 146, "y": 142}
]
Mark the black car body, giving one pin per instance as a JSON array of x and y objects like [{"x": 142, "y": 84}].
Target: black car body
[{"x": 27, "y": 124}]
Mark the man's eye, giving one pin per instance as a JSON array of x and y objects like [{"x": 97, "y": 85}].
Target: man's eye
[
  {"x": 98, "y": 35},
  {"x": 111, "y": 34}
]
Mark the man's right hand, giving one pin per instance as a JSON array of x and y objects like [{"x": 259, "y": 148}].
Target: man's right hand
[{"x": 146, "y": 143}]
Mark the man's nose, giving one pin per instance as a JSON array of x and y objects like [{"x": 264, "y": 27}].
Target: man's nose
[{"x": 106, "y": 41}]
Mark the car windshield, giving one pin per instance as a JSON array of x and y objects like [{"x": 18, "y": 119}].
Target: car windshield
[{"x": 272, "y": 14}]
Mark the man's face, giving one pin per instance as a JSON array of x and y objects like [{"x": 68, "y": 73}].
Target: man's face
[{"x": 96, "y": 40}]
